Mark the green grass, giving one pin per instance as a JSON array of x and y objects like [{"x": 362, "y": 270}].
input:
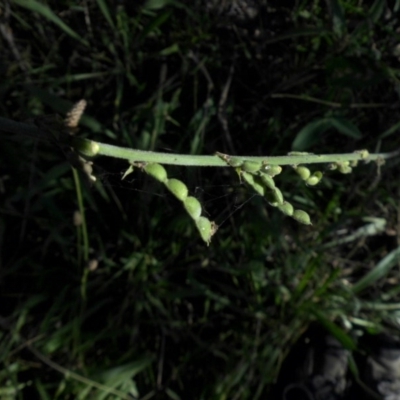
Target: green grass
[{"x": 141, "y": 308}]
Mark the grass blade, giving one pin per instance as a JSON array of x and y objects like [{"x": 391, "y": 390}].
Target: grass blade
[
  {"x": 47, "y": 13},
  {"x": 338, "y": 17},
  {"x": 383, "y": 267},
  {"x": 346, "y": 127},
  {"x": 106, "y": 12},
  {"x": 335, "y": 330},
  {"x": 393, "y": 129}
]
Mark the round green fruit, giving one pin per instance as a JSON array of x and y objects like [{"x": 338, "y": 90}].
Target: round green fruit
[
  {"x": 177, "y": 188},
  {"x": 193, "y": 207},
  {"x": 157, "y": 171},
  {"x": 302, "y": 217}
]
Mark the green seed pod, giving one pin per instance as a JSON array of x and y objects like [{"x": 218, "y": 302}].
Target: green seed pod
[
  {"x": 271, "y": 198},
  {"x": 259, "y": 188},
  {"x": 251, "y": 166},
  {"x": 205, "y": 228},
  {"x": 193, "y": 207},
  {"x": 314, "y": 178},
  {"x": 275, "y": 197},
  {"x": 286, "y": 208},
  {"x": 344, "y": 167},
  {"x": 278, "y": 195},
  {"x": 247, "y": 178},
  {"x": 303, "y": 172},
  {"x": 345, "y": 170},
  {"x": 272, "y": 170},
  {"x": 267, "y": 181},
  {"x": 302, "y": 217},
  {"x": 177, "y": 188},
  {"x": 86, "y": 147},
  {"x": 312, "y": 181},
  {"x": 157, "y": 171},
  {"x": 250, "y": 179}
]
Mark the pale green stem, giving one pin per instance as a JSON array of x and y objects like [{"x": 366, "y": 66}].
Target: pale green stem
[
  {"x": 186, "y": 160},
  {"x": 132, "y": 155}
]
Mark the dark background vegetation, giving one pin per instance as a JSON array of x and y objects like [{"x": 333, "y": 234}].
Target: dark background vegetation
[{"x": 156, "y": 313}]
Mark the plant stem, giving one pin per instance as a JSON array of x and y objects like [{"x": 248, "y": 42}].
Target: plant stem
[
  {"x": 82, "y": 212},
  {"x": 133, "y": 155},
  {"x": 84, "y": 234},
  {"x": 188, "y": 160}
]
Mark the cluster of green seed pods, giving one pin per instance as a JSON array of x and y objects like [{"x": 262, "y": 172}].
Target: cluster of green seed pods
[
  {"x": 346, "y": 167},
  {"x": 192, "y": 206},
  {"x": 311, "y": 179},
  {"x": 260, "y": 176}
]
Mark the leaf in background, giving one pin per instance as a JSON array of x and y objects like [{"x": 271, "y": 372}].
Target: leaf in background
[
  {"x": 337, "y": 15},
  {"x": 155, "y": 4},
  {"x": 346, "y": 340},
  {"x": 122, "y": 374},
  {"x": 393, "y": 129},
  {"x": 171, "y": 394},
  {"x": 346, "y": 127},
  {"x": 47, "y": 13},
  {"x": 313, "y": 131},
  {"x": 155, "y": 24},
  {"x": 381, "y": 269},
  {"x": 170, "y": 50},
  {"x": 311, "y": 134},
  {"x": 106, "y": 12},
  {"x": 377, "y": 9}
]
